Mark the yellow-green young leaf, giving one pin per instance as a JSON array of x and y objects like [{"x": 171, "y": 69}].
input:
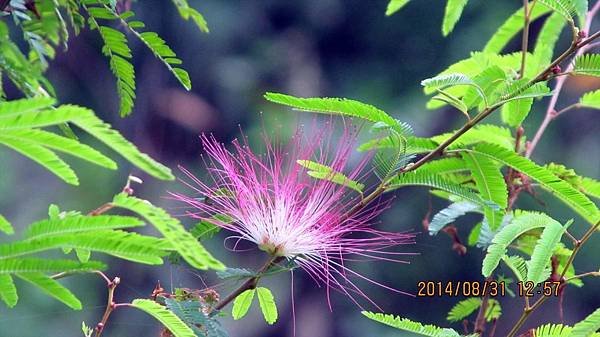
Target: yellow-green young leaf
[
  {"x": 491, "y": 185},
  {"x": 187, "y": 13},
  {"x": 267, "y": 304},
  {"x": 590, "y": 187},
  {"x": 588, "y": 326},
  {"x": 173, "y": 231},
  {"x": 591, "y": 100},
  {"x": 493, "y": 310},
  {"x": 510, "y": 28},
  {"x": 126, "y": 245},
  {"x": 63, "y": 144},
  {"x": 547, "y": 38},
  {"x": 566, "y": 8},
  {"x": 42, "y": 156},
  {"x": 588, "y": 64},
  {"x": 520, "y": 224},
  {"x": 554, "y": 330},
  {"x": 28, "y": 265},
  {"x": 5, "y": 226},
  {"x": 175, "y": 325},
  {"x": 338, "y": 106},
  {"x": 97, "y": 128},
  {"x": 8, "y": 291},
  {"x": 454, "y": 9},
  {"x": 242, "y": 304},
  {"x": 544, "y": 248},
  {"x": 560, "y": 188},
  {"x": 79, "y": 223},
  {"x": 463, "y": 309},
  {"x": 417, "y": 178},
  {"x": 324, "y": 172},
  {"x": 394, "y": 6},
  {"x": 406, "y": 324},
  {"x": 52, "y": 288},
  {"x": 517, "y": 265}
]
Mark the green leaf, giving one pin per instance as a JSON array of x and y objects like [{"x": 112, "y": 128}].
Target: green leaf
[
  {"x": 517, "y": 265},
  {"x": 28, "y": 265},
  {"x": 182, "y": 241},
  {"x": 125, "y": 245},
  {"x": 187, "y": 13},
  {"x": 547, "y": 38},
  {"x": 394, "y": 6},
  {"x": 454, "y": 9},
  {"x": 493, "y": 311},
  {"x": 87, "y": 121},
  {"x": 452, "y": 79},
  {"x": 591, "y": 100},
  {"x": 590, "y": 187},
  {"x": 52, "y": 288},
  {"x": 444, "y": 166},
  {"x": 588, "y": 64},
  {"x": 324, "y": 172},
  {"x": 62, "y": 144},
  {"x": 588, "y": 326},
  {"x": 561, "y": 189},
  {"x": 510, "y": 28},
  {"x": 483, "y": 133},
  {"x": 463, "y": 309},
  {"x": 450, "y": 214},
  {"x": 519, "y": 225},
  {"x": 491, "y": 185},
  {"x": 8, "y": 291},
  {"x": 163, "y": 52},
  {"x": 338, "y": 106},
  {"x": 5, "y": 226},
  {"x": 42, "y": 156},
  {"x": 267, "y": 304},
  {"x": 79, "y": 223},
  {"x": 566, "y": 8},
  {"x": 191, "y": 313},
  {"x": 177, "y": 327},
  {"x": 204, "y": 230},
  {"x": 411, "y": 326},
  {"x": 242, "y": 303},
  {"x": 417, "y": 178},
  {"x": 544, "y": 248},
  {"x": 554, "y": 330},
  {"x": 20, "y": 106},
  {"x": 235, "y": 274}
]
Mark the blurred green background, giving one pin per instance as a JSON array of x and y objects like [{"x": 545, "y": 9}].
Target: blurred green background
[{"x": 305, "y": 48}]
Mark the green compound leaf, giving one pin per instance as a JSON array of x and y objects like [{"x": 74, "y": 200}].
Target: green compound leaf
[
  {"x": 5, "y": 226},
  {"x": 28, "y": 265},
  {"x": 8, "y": 291},
  {"x": 454, "y": 9},
  {"x": 491, "y": 185},
  {"x": 175, "y": 325},
  {"x": 544, "y": 248},
  {"x": 463, "y": 309},
  {"x": 394, "y": 6},
  {"x": 53, "y": 288},
  {"x": 324, "y": 172},
  {"x": 588, "y": 326},
  {"x": 591, "y": 100},
  {"x": 560, "y": 188},
  {"x": 406, "y": 324},
  {"x": 267, "y": 304},
  {"x": 173, "y": 231},
  {"x": 520, "y": 224},
  {"x": 242, "y": 303}
]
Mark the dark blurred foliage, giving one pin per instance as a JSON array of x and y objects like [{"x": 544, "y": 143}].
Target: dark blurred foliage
[{"x": 306, "y": 48}]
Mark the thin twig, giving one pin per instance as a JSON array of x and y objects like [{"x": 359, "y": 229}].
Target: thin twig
[{"x": 560, "y": 82}]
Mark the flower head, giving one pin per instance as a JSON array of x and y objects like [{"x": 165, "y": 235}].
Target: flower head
[{"x": 272, "y": 202}]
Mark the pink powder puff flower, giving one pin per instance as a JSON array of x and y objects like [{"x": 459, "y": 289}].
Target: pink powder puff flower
[{"x": 274, "y": 203}]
